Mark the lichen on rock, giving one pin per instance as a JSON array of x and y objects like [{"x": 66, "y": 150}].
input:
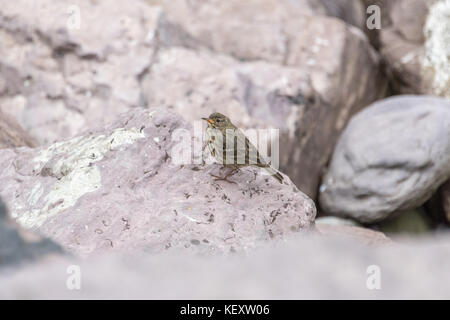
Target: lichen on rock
[{"x": 72, "y": 163}]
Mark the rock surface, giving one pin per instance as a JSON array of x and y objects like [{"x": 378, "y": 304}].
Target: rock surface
[
  {"x": 391, "y": 157},
  {"x": 18, "y": 246},
  {"x": 415, "y": 222},
  {"x": 436, "y": 63},
  {"x": 62, "y": 72},
  {"x": 12, "y": 135},
  {"x": 362, "y": 235},
  {"x": 257, "y": 29},
  {"x": 321, "y": 268},
  {"x": 121, "y": 188},
  {"x": 415, "y": 45}
]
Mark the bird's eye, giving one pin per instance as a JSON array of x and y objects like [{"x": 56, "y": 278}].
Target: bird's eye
[{"x": 219, "y": 120}]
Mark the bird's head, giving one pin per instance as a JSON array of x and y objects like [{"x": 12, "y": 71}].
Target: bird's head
[{"x": 218, "y": 121}]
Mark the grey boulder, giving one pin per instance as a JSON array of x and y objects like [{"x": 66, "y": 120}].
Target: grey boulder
[{"x": 391, "y": 157}]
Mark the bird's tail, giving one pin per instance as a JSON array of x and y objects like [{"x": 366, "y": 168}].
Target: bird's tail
[{"x": 274, "y": 173}]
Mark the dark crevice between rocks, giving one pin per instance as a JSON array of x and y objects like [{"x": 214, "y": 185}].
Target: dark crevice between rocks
[{"x": 15, "y": 250}]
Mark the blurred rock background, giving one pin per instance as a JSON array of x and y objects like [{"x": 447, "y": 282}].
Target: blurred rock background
[{"x": 92, "y": 91}]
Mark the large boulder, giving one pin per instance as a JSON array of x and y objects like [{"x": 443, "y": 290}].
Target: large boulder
[
  {"x": 57, "y": 80},
  {"x": 124, "y": 188},
  {"x": 391, "y": 157}
]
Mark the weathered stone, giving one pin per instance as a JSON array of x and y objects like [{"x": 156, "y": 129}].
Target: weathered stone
[
  {"x": 350, "y": 11},
  {"x": 439, "y": 206},
  {"x": 436, "y": 63},
  {"x": 58, "y": 78},
  {"x": 383, "y": 8},
  {"x": 12, "y": 135},
  {"x": 391, "y": 157},
  {"x": 121, "y": 188},
  {"x": 255, "y": 29}
]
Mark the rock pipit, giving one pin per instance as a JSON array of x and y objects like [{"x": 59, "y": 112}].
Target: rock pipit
[{"x": 231, "y": 148}]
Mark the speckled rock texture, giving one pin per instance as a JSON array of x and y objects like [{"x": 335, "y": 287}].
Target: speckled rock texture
[
  {"x": 120, "y": 189},
  {"x": 63, "y": 72},
  {"x": 391, "y": 157}
]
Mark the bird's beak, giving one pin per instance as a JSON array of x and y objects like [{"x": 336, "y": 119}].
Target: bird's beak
[{"x": 209, "y": 120}]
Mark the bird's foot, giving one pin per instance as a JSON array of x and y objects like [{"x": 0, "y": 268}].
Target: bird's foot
[
  {"x": 224, "y": 178},
  {"x": 217, "y": 178}
]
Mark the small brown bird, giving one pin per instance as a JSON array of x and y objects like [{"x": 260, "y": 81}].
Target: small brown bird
[{"x": 230, "y": 147}]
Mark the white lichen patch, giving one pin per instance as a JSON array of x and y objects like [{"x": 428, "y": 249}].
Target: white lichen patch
[
  {"x": 437, "y": 47},
  {"x": 72, "y": 164}
]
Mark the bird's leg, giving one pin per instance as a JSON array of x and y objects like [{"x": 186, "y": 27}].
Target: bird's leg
[{"x": 231, "y": 172}]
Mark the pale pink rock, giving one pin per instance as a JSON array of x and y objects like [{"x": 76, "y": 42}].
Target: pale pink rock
[
  {"x": 392, "y": 157},
  {"x": 119, "y": 189},
  {"x": 68, "y": 66}
]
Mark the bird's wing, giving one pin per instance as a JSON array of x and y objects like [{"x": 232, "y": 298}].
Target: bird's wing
[{"x": 244, "y": 151}]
